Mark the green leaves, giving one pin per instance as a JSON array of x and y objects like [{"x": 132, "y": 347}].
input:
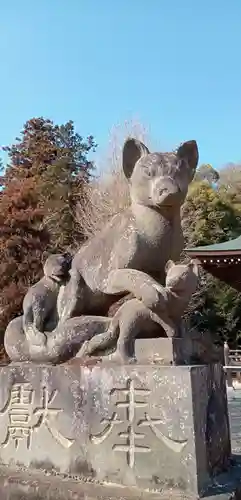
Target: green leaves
[{"x": 210, "y": 217}]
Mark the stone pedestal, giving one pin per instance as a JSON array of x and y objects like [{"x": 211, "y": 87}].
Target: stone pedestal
[
  {"x": 177, "y": 351},
  {"x": 155, "y": 427},
  {"x": 164, "y": 351}
]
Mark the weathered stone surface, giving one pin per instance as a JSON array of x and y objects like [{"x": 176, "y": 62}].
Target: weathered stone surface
[
  {"x": 149, "y": 426},
  {"x": 61, "y": 344},
  {"x": 26, "y": 336},
  {"x": 28, "y": 485},
  {"x": 156, "y": 311},
  {"x": 18, "y": 484}
]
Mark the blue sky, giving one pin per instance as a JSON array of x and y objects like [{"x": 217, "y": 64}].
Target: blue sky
[{"x": 174, "y": 64}]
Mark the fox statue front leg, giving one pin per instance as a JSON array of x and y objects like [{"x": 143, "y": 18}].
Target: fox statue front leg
[
  {"x": 141, "y": 285},
  {"x": 72, "y": 297}
]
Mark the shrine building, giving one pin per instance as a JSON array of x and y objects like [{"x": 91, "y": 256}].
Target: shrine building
[{"x": 222, "y": 260}]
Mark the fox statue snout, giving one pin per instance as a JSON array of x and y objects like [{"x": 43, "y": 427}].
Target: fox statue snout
[
  {"x": 164, "y": 192},
  {"x": 58, "y": 266}
]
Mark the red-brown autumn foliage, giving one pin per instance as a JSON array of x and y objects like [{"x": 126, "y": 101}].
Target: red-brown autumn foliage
[
  {"x": 40, "y": 188},
  {"x": 21, "y": 245}
]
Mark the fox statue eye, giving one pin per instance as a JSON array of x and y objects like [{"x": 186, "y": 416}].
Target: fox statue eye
[{"x": 148, "y": 172}]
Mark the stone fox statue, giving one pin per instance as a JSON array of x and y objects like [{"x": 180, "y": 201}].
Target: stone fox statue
[
  {"x": 40, "y": 302},
  {"x": 144, "y": 237},
  {"x": 35, "y": 335},
  {"x": 158, "y": 306}
]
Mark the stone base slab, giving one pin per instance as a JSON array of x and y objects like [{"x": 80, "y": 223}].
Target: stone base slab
[
  {"x": 146, "y": 426},
  {"x": 31, "y": 485}
]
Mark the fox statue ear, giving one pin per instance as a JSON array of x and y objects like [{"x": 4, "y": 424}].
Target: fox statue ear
[
  {"x": 195, "y": 266},
  {"x": 169, "y": 265},
  {"x": 132, "y": 151},
  {"x": 45, "y": 255},
  {"x": 189, "y": 151}
]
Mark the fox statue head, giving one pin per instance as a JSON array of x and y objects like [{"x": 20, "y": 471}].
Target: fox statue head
[{"x": 159, "y": 180}]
